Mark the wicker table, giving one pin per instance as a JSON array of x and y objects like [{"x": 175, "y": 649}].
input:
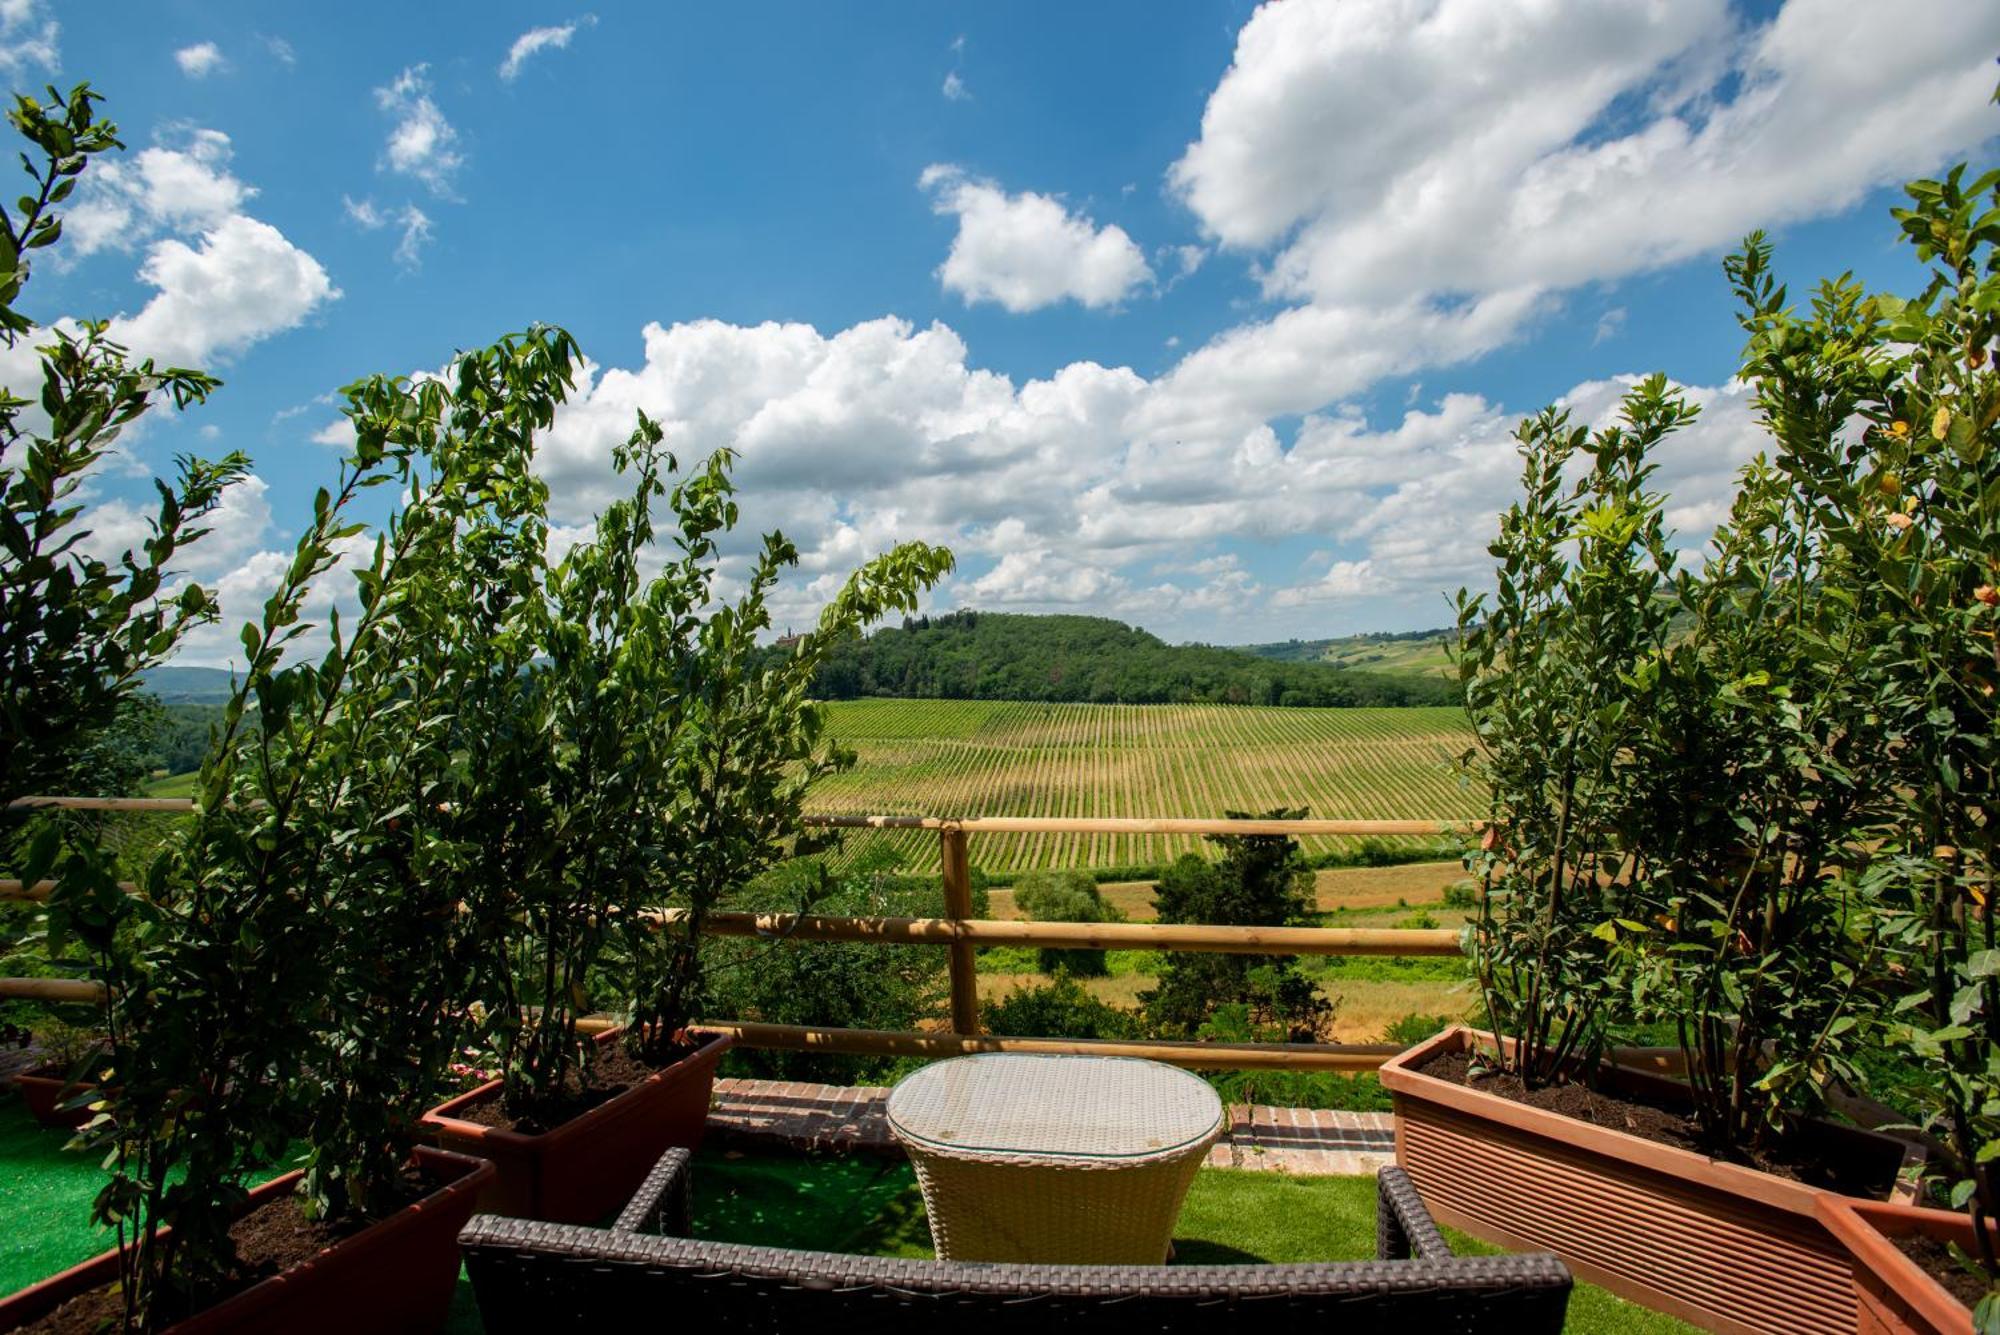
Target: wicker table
[{"x": 1055, "y": 1160}]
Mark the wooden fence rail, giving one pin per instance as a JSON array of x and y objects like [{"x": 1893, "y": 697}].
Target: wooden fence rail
[
  {"x": 961, "y": 934},
  {"x": 1138, "y": 825}
]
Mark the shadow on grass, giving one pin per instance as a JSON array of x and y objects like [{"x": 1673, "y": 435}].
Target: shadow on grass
[
  {"x": 1199, "y": 1251},
  {"x": 814, "y": 1202}
]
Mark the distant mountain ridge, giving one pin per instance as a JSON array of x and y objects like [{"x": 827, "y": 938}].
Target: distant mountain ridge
[
  {"x": 189, "y": 685},
  {"x": 972, "y": 655}
]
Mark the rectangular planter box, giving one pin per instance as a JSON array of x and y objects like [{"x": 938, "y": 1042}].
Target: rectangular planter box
[
  {"x": 45, "y": 1089},
  {"x": 396, "y": 1276},
  {"x": 1725, "y": 1247},
  {"x": 589, "y": 1166},
  {"x": 1893, "y": 1295}
]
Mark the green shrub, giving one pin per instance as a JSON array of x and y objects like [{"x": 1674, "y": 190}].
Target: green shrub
[
  {"x": 1065, "y": 896},
  {"x": 76, "y": 631},
  {"x": 1058, "y": 1009},
  {"x": 846, "y": 984},
  {"x": 1286, "y": 1089},
  {"x": 1301, "y": 1089},
  {"x": 1410, "y": 1030}
]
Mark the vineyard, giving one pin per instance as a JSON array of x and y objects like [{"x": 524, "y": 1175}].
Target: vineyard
[{"x": 991, "y": 758}]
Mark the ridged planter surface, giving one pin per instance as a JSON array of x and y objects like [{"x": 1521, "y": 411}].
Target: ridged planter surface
[
  {"x": 1893, "y": 1295},
  {"x": 589, "y": 1166},
  {"x": 395, "y": 1276},
  {"x": 1725, "y": 1247}
]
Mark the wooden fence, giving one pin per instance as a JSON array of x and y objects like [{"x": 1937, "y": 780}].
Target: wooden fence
[{"x": 959, "y": 933}]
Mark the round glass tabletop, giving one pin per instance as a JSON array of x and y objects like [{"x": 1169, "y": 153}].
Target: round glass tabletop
[{"x": 1054, "y": 1106}]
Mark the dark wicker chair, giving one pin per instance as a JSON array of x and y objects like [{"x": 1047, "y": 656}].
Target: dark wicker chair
[{"x": 535, "y": 1278}]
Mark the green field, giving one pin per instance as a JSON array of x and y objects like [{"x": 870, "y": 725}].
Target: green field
[
  {"x": 1005, "y": 758},
  {"x": 992, "y": 758}
]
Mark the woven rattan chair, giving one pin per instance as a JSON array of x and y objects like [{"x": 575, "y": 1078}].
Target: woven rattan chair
[{"x": 533, "y": 1278}]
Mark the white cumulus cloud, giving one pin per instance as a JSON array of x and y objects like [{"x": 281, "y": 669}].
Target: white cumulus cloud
[
  {"x": 200, "y": 60},
  {"x": 1066, "y": 492},
  {"x": 180, "y": 184},
  {"x": 243, "y": 281},
  {"x": 28, "y": 38},
  {"x": 221, "y": 279},
  {"x": 1398, "y": 146},
  {"x": 422, "y": 144},
  {"x": 1028, "y": 251}
]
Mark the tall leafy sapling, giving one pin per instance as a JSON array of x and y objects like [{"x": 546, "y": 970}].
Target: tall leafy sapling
[{"x": 79, "y": 626}]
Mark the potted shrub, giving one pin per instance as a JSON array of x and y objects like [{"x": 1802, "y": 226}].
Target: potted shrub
[
  {"x": 294, "y": 963},
  {"x": 643, "y": 755},
  {"x": 287, "y": 954},
  {"x": 1922, "y": 527},
  {"x": 1686, "y": 808},
  {"x": 78, "y": 630}
]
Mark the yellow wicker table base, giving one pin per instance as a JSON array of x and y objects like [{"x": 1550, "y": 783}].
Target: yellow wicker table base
[{"x": 1108, "y": 1213}]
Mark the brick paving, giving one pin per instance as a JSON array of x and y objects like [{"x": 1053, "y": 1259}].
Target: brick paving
[
  {"x": 760, "y": 1114},
  {"x": 15, "y": 1059},
  {"x": 754, "y": 1114}
]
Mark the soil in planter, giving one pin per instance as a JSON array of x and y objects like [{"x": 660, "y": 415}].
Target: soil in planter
[
  {"x": 1665, "y": 1125},
  {"x": 613, "y": 1072},
  {"x": 1934, "y": 1258},
  {"x": 274, "y": 1236}
]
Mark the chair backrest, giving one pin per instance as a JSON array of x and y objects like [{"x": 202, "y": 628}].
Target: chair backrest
[{"x": 535, "y": 1277}]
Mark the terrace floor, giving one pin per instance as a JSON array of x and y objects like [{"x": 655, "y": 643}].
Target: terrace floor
[
  {"x": 768, "y": 1177},
  {"x": 774, "y": 1114}
]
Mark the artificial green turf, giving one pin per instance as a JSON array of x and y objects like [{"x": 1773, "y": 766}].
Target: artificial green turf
[
  {"x": 856, "y": 1203},
  {"x": 1240, "y": 1215},
  {"x": 45, "y": 1196}
]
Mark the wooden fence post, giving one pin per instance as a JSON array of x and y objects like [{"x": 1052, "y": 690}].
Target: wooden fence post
[{"x": 957, "y": 869}]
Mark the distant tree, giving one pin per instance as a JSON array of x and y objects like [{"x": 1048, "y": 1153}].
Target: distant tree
[
  {"x": 1066, "y": 896},
  {"x": 1259, "y": 881}
]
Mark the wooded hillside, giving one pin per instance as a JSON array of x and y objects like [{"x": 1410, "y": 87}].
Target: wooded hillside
[{"x": 1007, "y": 656}]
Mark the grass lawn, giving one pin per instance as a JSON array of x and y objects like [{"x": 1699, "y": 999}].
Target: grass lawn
[
  {"x": 173, "y": 785},
  {"x": 823, "y": 1202}
]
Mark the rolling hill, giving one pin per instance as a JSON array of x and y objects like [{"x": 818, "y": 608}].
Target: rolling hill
[{"x": 1425, "y": 653}]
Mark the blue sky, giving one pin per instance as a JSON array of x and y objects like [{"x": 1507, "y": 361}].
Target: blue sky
[{"x": 1211, "y": 318}]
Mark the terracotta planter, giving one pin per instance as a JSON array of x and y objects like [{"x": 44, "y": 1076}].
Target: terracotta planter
[
  {"x": 1726, "y": 1247},
  {"x": 394, "y": 1276},
  {"x": 1893, "y": 1294},
  {"x": 45, "y": 1089},
  {"x": 589, "y": 1166}
]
